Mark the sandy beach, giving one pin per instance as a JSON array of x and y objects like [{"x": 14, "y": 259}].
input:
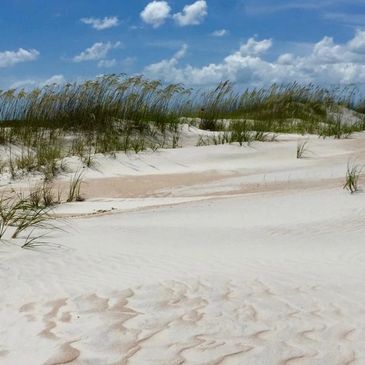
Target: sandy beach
[
  {"x": 197, "y": 255},
  {"x": 182, "y": 182}
]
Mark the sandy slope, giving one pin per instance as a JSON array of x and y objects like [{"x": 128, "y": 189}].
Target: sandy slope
[{"x": 218, "y": 255}]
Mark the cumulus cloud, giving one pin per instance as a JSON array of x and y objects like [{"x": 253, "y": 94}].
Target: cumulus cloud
[
  {"x": 220, "y": 33},
  {"x": 101, "y": 24},
  {"x": 286, "y": 59},
  {"x": 170, "y": 66},
  {"x": 327, "y": 63},
  {"x": 10, "y": 58},
  {"x": 357, "y": 44},
  {"x": 192, "y": 14},
  {"x": 253, "y": 47},
  {"x": 96, "y": 52},
  {"x": 244, "y": 60},
  {"x": 156, "y": 13}
]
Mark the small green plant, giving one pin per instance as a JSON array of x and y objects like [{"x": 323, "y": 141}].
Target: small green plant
[
  {"x": 47, "y": 157},
  {"x": 203, "y": 141},
  {"x": 302, "y": 148},
  {"x": 175, "y": 140},
  {"x": 240, "y": 132},
  {"x": 8, "y": 210},
  {"x": 352, "y": 177},
  {"x": 3, "y": 165},
  {"x": 33, "y": 240},
  {"x": 42, "y": 195},
  {"x": 19, "y": 214},
  {"x": 261, "y": 136},
  {"x": 89, "y": 160},
  {"x": 137, "y": 144},
  {"x": 29, "y": 217},
  {"x": 12, "y": 166},
  {"x": 221, "y": 138},
  {"x": 78, "y": 147},
  {"x": 75, "y": 187},
  {"x": 26, "y": 162}
]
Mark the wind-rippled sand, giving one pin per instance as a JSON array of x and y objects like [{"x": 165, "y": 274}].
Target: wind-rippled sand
[{"x": 258, "y": 260}]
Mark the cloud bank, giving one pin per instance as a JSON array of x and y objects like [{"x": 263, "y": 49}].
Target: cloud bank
[{"x": 326, "y": 63}]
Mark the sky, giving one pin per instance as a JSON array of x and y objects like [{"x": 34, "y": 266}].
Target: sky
[{"x": 197, "y": 43}]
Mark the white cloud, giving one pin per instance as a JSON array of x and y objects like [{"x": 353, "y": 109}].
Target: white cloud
[
  {"x": 181, "y": 52},
  {"x": 32, "y": 83},
  {"x": 253, "y": 47},
  {"x": 192, "y": 14},
  {"x": 357, "y": 44},
  {"x": 10, "y": 58},
  {"x": 156, "y": 13},
  {"x": 101, "y": 24},
  {"x": 168, "y": 67},
  {"x": 286, "y": 59},
  {"x": 326, "y": 63},
  {"x": 107, "y": 63},
  {"x": 96, "y": 52},
  {"x": 220, "y": 33},
  {"x": 55, "y": 79}
]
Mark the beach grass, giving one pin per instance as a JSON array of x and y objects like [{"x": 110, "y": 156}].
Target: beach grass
[
  {"x": 353, "y": 174},
  {"x": 116, "y": 113},
  {"x": 302, "y": 149},
  {"x": 19, "y": 215}
]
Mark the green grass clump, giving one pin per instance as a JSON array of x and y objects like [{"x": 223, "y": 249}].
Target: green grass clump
[
  {"x": 43, "y": 195},
  {"x": 353, "y": 174},
  {"x": 19, "y": 215},
  {"x": 74, "y": 193},
  {"x": 240, "y": 133},
  {"x": 302, "y": 148},
  {"x": 8, "y": 211}
]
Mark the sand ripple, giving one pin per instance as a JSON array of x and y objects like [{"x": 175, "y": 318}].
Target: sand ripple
[{"x": 193, "y": 322}]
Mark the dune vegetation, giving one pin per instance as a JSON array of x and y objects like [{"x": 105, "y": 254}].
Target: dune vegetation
[{"x": 116, "y": 113}]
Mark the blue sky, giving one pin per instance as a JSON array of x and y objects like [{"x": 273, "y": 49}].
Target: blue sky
[{"x": 198, "y": 43}]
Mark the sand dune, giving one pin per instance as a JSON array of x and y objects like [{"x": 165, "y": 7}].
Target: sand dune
[{"x": 225, "y": 256}]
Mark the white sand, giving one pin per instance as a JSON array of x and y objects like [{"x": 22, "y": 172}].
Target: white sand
[{"x": 217, "y": 255}]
